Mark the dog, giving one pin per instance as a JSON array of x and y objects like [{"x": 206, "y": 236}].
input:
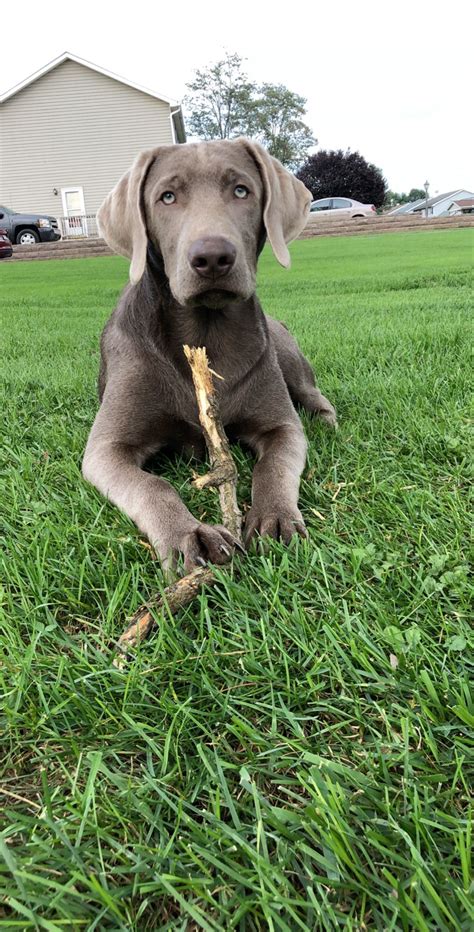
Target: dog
[{"x": 193, "y": 219}]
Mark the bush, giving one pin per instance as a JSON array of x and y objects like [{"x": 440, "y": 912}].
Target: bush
[{"x": 343, "y": 174}]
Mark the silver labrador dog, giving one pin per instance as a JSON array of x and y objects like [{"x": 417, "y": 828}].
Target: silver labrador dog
[{"x": 193, "y": 219}]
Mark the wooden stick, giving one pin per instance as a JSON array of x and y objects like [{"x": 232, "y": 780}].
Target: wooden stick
[
  {"x": 223, "y": 472},
  {"x": 222, "y": 476},
  {"x": 174, "y": 597}
]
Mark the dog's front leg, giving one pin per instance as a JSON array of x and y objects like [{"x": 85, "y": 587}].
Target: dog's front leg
[
  {"x": 154, "y": 506},
  {"x": 276, "y": 481}
]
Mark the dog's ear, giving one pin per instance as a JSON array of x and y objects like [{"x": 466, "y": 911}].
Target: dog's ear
[
  {"x": 121, "y": 217},
  {"x": 286, "y": 201}
]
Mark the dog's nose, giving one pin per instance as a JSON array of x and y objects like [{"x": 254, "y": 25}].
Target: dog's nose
[{"x": 212, "y": 256}]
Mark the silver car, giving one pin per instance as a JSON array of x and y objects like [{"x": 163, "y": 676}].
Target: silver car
[{"x": 342, "y": 207}]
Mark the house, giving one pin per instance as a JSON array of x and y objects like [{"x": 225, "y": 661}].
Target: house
[
  {"x": 69, "y": 131},
  {"x": 464, "y": 205},
  {"x": 436, "y": 206},
  {"x": 405, "y": 208}
]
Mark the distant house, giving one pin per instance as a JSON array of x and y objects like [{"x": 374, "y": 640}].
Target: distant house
[
  {"x": 405, "y": 208},
  {"x": 70, "y": 131},
  {"x": 464, "y": 205},
  {"x": 436, "y": 206}
]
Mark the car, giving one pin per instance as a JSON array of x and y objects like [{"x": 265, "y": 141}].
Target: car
[
  {"x": 342, "y": 207},
  {"x": 26, "y": 229},
  {"x": 5, "y": 245}
]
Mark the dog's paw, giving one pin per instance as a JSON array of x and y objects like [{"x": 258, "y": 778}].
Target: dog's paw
[
  {"x": 277, "y": 522},
  {"x": 329, "y": 416},
  {"x": 207, "y": 543},
  {"x": 325, "y": 411}
]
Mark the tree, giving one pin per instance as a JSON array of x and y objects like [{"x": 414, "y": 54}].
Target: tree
[
  {"x": 219, "y": 100},
  {"x": 223, "y": 103},
  {"x": 416, "y": 194},
  {"x": 392, "y": 198},
  {"x": 343, "y": 174},
  {"x": 276, "y": 120}
]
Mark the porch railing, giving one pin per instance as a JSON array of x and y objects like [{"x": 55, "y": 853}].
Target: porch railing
[{"x": 78, "y": 227}]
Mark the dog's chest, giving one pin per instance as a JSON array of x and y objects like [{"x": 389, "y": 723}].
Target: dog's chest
[
  {"x": 230, "y": 365},
  {"x": 183, "y": 405}
]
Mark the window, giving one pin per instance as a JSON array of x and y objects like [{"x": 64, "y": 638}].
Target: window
[
  {"x": 338, "y": 202},
  {"x": 325, "y": 204}
]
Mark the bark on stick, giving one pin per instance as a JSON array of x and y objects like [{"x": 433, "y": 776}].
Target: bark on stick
[{"x": 221, "y": 476}]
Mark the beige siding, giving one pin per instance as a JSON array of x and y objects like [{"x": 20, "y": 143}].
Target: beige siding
[{"x": 71, "y": 127}]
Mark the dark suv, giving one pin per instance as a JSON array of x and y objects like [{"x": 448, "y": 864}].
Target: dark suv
[{"x": 27, "y": 229}]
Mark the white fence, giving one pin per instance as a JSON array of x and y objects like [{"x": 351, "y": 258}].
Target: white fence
[{"x": 78, "y": 227}]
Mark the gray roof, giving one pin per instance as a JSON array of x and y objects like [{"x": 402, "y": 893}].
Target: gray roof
[
  {"x": 435, "y": 200},
  {"x": 406, "y": 208}
]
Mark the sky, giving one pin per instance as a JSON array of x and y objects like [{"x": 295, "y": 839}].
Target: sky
[{"x": 391, "y": 79}]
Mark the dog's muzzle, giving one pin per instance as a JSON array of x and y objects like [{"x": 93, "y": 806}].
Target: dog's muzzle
[{"x": 212, "y": 257}]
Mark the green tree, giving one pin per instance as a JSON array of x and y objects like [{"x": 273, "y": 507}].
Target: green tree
[
  {"x": 416, "y": 194},
  {"x": 393, "y": 198},
  {"x": 276, "y": 120},
  {"x": 222, "y": 103},
  {"x": 219, "y": 100}
]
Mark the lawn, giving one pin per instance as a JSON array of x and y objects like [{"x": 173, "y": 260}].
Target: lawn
[{"x": 294, "y": 751}]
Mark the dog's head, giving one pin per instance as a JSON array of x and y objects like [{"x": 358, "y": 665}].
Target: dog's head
[{"x": 205, "y": 207}]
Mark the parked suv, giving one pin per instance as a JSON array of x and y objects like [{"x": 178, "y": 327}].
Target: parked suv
[
  {"x": 27, "y": 229},
  {"x": 342, "y": 207}
]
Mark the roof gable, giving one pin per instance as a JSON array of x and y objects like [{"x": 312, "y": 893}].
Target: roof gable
[
  {"x": 438, "y": 198},
  {"x": 67, "y": 56},
  {"x": 463, "y": 202}
]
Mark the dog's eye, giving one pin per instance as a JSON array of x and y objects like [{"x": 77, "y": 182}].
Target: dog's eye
[
  {"x": 241, "y": 191},
  {"x": 168, "y": 197}
]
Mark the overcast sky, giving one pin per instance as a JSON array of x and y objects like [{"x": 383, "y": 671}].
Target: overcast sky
[{"x": 390, "y": 79}]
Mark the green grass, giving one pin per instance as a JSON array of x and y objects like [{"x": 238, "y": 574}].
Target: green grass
[{"x": 294, "y": 751}]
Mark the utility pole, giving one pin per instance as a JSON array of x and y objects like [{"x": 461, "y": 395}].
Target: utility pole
[{"x": 426, "y": 187}]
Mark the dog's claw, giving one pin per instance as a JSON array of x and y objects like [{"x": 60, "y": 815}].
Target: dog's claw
[
  {"x": 201, "y": 561},
  {"x": 225, "y": 550}
]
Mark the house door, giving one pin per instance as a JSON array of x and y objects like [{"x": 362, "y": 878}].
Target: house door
[{"x": 74, "y": 211}]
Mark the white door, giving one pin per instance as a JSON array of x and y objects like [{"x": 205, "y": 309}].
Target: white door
[{"x": 74, "y": 211}]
